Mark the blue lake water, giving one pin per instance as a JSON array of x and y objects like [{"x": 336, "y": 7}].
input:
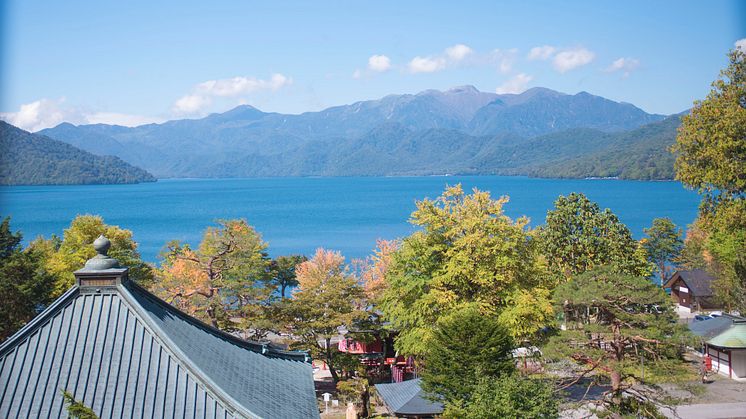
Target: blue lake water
[{"x": 297, "y": 215}]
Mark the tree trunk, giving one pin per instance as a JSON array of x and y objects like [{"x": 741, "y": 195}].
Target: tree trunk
[
  {"x": 365, "y": 397},
  {"x": 615, "y": 374},
  {"x": 213, "y": 318},
  {"x": 282, "y": 290},
  {"x": 333, "y": 372}
]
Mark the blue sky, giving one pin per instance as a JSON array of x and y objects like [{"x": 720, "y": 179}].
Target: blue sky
[{"x": 140, "y": 61}]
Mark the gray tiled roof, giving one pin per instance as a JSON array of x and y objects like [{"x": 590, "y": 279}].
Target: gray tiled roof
[
  {"x": 407, "y": 398},
  {"x": 710, "y": 328},
  {"x": 698, "y": 281},
  {"x": 125, "y": 353}
]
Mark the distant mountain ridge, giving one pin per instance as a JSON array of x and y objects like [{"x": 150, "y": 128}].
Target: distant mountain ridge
[
  {"x": 33, "y": 159},
  {"x": 461, "y": 130}
]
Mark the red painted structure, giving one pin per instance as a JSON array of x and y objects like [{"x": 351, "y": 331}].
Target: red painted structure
[{"x": 378, "y": 353}]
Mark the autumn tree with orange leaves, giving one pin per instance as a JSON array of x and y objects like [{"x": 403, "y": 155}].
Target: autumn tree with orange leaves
[
  {"x": 327, "y": 298},
  {"x": 224, "y": 281}
]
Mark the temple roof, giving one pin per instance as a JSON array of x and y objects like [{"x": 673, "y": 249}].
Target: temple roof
[
  {"x": 122, "y": 351},
  {"x": 725, "y": 331},
  {"x": 408, "y": 399}
]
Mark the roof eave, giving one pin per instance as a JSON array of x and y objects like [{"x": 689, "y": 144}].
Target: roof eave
[
  {"x": 188, "y": 364},
  {"x": 39, "y": 320}
]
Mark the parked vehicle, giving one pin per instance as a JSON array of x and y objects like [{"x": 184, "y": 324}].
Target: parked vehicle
[{"x": 702, "y": 317}]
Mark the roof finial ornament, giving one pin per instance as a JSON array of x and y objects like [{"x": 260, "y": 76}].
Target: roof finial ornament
[{"x": 102, "y": 260}]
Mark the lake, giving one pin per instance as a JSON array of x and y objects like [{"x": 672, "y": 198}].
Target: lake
[{"x": 297, "y": 215}]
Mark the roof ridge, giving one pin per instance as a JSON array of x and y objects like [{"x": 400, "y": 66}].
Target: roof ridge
[{"x": 266, "y": 349}]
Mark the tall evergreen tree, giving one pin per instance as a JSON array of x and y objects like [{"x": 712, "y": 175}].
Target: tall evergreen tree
[
  {"x": 663, "y": 246},
  {"x": 466, "y": 346}
]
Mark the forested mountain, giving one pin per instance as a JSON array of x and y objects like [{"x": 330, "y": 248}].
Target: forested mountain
[
  {"x": 461, "y": 130},
  {"x": 642, "y": 153},
  {"x": 33, "y": 159}
]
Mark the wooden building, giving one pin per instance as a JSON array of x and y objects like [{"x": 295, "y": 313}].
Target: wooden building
[
  {"x": 692, "y": 290},
  {"x": 125, "y": 353}
]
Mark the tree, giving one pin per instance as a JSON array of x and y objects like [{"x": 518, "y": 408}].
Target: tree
[
  {"x": 467, "y": 252},
  {"x": 66, "y": 256},
  {"x": 76, "y": 409},
  {"x": 712, "y": 158},
  {"x": 223, "y": 281},
  {"x": 25, "y": 288},
  {"x": 663, "y": 245},
  {"x": 725, "y": 252},
  {"x": 613, "y": 320},
  {"x": 579, "y": 236},
  {"x": 466, "y": 346},
  {"x": 374, "y": 268},
  {"x": 511, "y": 396},
  {"x": 711, "y": 155},
  {"x": 328, "y": 297},
  {"x": 283, "y": 272}
]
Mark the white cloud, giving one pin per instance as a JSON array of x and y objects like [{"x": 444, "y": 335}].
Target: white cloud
[
  {"x": 191, "y": 104},
  {"x": 516, "y": 84},
  {"x": 571, "y": 59},
  {"x": 543, "y": 52},
  {"x": 505, "y": 59},
  {"x": 126, "y": 120},
  {"x": 202, "y": 94},
  {"x": 379, "y": 63},
  {"x": 458, "y": 52},
  {"x": 47, "y": 113},
  {"x": 238, "y": 86},
  {"x": 451, "y": 56},
  {"x": 426, "y": 64},
  {"x": 625, "y": 65},
  {"x": 40, "y": 114},
  {"x": 741, "y": 44}
]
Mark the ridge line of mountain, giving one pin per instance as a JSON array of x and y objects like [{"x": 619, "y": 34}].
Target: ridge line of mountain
[{"x": 460, "y": 130}]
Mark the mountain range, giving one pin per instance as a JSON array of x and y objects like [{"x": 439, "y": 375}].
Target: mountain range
[
  {"x": 33, "y": 159},
  {"x": 539, "y": 132}
]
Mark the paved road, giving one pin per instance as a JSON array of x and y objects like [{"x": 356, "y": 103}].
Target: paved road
[{"x": 710, "y": 411}]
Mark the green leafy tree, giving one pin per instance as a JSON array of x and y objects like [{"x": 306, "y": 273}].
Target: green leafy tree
[
  {"x": 663, "y": 245},
  {"x": 711, "y": 155},
  {"x": 466, "y": 346},
  {"x": 613, "y": 320},
  {"x": 712, "y": 159},
  {"x": 223, "y": 281},
  {"x": 66, "y": 256},
  {"x": 25, "y": 287},
  {"x": 510, "y": 396},
  {"x": 579, "y": 236},
  {"x": 328, "y": 297},
  {"x": 725, "y": 253},
  {"x": 283, "y": 272},
  {"x": 467, "y": 252}
]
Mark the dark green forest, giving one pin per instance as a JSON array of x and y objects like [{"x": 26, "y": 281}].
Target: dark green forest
[{"x": 32, "y": 159}]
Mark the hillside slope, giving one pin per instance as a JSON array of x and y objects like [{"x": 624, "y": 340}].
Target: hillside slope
[{"x": 32, "y": 159}]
